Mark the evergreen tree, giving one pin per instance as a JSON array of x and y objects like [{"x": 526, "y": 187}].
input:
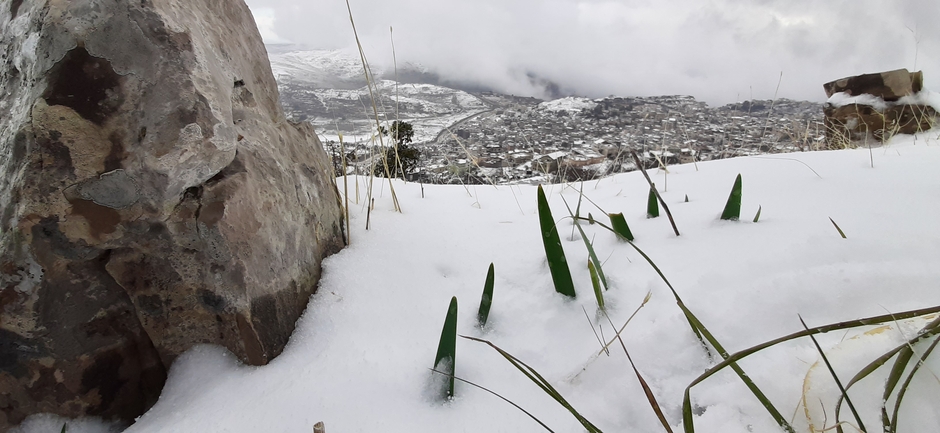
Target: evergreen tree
[{"x": 407, "y": 158}]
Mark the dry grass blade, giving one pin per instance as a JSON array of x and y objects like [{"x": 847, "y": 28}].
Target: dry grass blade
[
  {"x": 587, "y": 244},
  {"x": 649, "y": 295},
  {"x": 835, "y": 377},
  {"x": 866, "y": 371},
  {"x": 841, "y": 233},
  {"x": 703, "y": 335},
  {"x": 345, "y": 188},
  {"x": 598, "y": 337},
  {"x": 685, "y": 310},
  {"x": 496, "y": 394},
  {"x": 874, "y": 320},
  {"x": 650, "y": 397},
  {"x": 789, "y": 159},
  {"x": 737, "y": 356},
  {"x": 540, "y": 381},
  {"x": 907, "y": 382},
  {"x": 371, "y": 84},
  {"x": 672, "y": 221},
  {"x": 905, "y": 353}
]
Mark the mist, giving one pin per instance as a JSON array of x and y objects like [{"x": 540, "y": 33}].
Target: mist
[{"x": 720, "y": 51}]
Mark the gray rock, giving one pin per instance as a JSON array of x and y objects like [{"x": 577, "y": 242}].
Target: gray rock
[{"x": 152, "y": 197}]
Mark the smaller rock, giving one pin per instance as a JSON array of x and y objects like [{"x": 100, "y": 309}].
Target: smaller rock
[
  {"x": 890, "y": 85},
  {"x": 874, "y": 107},
  {"x": 114, "y": 189}
]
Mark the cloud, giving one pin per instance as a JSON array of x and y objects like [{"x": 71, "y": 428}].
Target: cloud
[
  {"x": 265, "y": 18},
  {"x": 716, "y": 50}
]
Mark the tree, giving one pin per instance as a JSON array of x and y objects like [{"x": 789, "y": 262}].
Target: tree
[{"x": 400, "y": 158}]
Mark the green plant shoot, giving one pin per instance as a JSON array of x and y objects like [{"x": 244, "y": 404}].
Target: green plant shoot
[
  {"x": 554, "y": 252},
  {"x": 652, "y": 204},
  {"x": 487, "y": 300},
  {"x": 596, "y": 282},
  {"x": 445, "y": 360},
  {"x": 732, "y": 210},
  {"x": 619, "y": 224}
]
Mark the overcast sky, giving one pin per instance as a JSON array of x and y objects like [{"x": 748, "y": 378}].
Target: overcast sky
[{"x": 719, "y": 51}]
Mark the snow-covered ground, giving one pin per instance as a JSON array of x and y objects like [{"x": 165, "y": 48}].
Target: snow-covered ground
[{"x": 360, "y": 357}]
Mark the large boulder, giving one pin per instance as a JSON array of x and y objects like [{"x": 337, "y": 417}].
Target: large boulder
[{"x": 152, "y": 197}]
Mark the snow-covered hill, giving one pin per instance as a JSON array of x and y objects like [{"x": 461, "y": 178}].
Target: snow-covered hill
[
  {"x": 319, "y": 69},
  {"x": 328, "y": 88}
]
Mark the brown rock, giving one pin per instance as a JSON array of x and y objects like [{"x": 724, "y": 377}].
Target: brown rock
[
  {"x": 858, "y": 122},
  {"x": 890, "y": 86},
  {"x": 152, "y": 197}
]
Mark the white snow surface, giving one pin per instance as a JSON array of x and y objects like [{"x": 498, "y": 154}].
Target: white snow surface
[
  {"x": 359, "y": 359},
  {"x": 571, "y": 104},
  {"x": 924, "y": 97}
]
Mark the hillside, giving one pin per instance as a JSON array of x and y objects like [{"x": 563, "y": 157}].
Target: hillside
[{"x": 482, "y": 137}]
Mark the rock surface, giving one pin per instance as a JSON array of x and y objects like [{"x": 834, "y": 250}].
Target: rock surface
[
  {"x": 152, "y": 197},
  {"x": 890, "y": 85},
  {"x": 873, "y": 107}
]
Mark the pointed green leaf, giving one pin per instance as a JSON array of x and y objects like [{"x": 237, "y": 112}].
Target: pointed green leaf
[
  {"x": 841, "y": 233},
  {"x": 596, "y": 283},
  {"x": 487, "y": 300},
  {"x": 652, "y": 204},
  {"x": 554, "y": 252},
  {"x": 541, "y": 382},
  {"x": 619, "y": 224},
  {"x": 757, "y": 217},
  {"x": 733, "y": 206},
  {"x": 447, "y": 349}
]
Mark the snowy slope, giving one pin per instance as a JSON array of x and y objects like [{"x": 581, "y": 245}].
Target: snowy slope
[
  {"x": 360, "y": 356},
  {"x": 328, "y": 89},
  {"x": 571, "y": 104},
  {"x": 319, "y": 68}
]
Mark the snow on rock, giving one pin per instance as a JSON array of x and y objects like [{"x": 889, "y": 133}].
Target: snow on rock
[
  {"x": 924, "y": 97},
  {"x": 842, "y": 99}
]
